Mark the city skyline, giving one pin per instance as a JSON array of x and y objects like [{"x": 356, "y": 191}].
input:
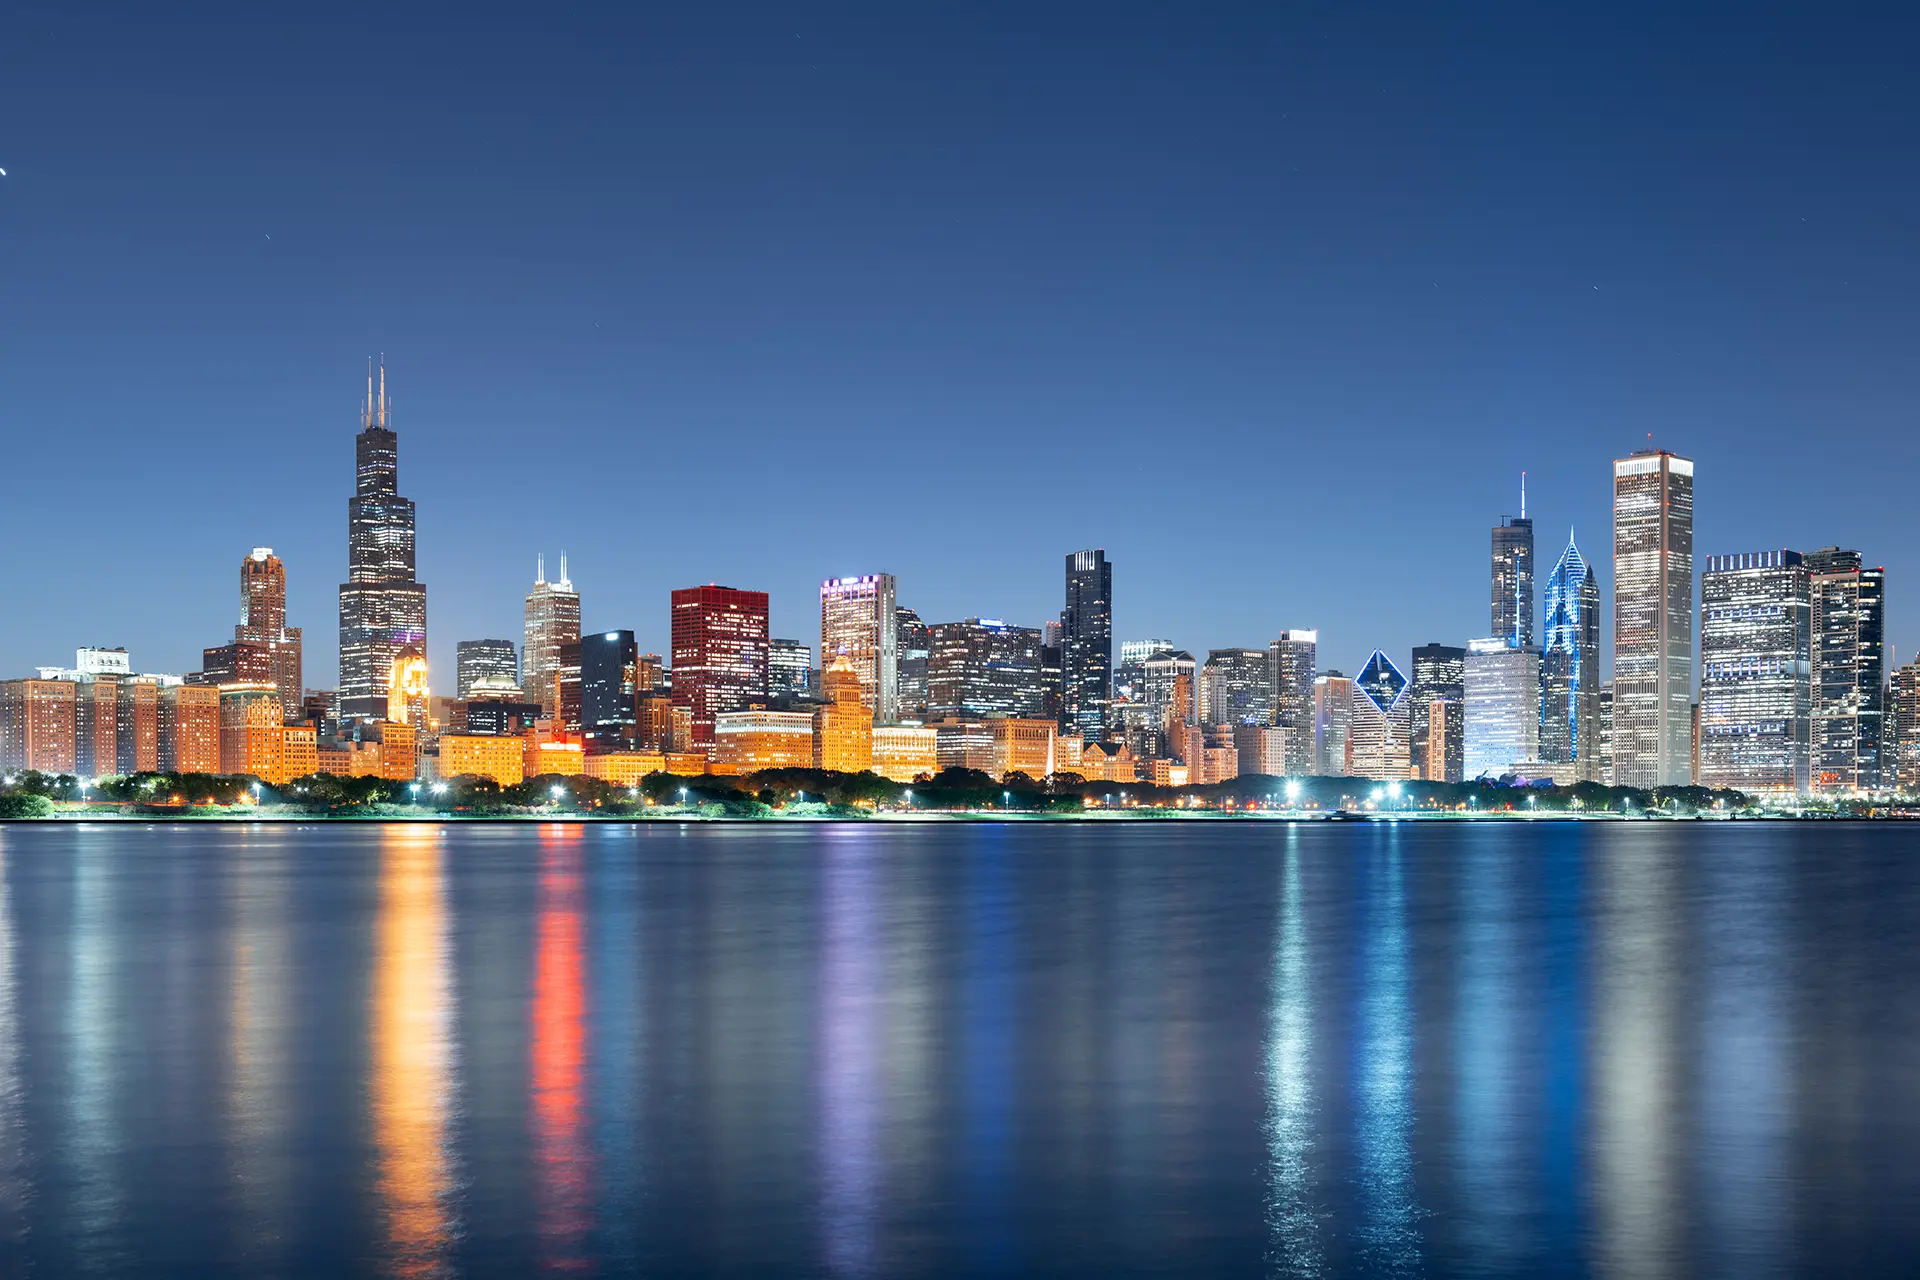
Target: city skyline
[{"x": 1238, "y": 280}]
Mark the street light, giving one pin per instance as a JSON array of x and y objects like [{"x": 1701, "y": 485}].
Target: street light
[
  {"x": 558, "y": 792},
  {"x": 1293, "y": 791},
  {"x": 439, "y": 788}
]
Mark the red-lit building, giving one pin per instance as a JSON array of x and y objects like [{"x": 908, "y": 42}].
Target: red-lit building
[{"x": 719, "y": 654}]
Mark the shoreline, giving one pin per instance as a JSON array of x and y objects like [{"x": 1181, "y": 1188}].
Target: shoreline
[{"x": 904, "y": 819}]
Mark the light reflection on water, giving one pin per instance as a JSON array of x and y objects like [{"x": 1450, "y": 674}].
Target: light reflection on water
[{"x": 859, "y": 1051}]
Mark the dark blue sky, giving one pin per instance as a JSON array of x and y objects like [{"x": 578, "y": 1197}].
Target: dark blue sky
[{"x": 1274, "y": 302}]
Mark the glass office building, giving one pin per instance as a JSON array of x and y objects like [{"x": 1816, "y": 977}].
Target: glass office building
[{"x": 1755, "y": 672}]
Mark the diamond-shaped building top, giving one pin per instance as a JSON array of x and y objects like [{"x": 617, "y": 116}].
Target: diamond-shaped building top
[{"x": 1381, "y": 681}]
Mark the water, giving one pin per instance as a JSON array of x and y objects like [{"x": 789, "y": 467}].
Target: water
[{"x": 1609, "y": 1049}]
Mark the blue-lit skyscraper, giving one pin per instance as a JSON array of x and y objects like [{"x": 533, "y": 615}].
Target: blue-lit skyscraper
[{"x": 1570, "y": 666}]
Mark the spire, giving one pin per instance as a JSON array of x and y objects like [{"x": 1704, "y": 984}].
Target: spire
[
  {"x": 539, "y": 568},
  {"x": 383, "y": 399},
  {"x": 1523, "y": 495},
  {"x": 564, "y": 580},
  {"x": 366, "y": 406}
]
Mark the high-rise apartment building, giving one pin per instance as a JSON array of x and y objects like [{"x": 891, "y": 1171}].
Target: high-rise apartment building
[
  {"x": 1755, "y": 672},
  {"x": 383, "y": 609},
  {"x": 484, "y": 659},
  {"x": 1294, "y": 657},
  {"x": 1444, "y": 757},
  {"x": 981, "y": 668},
  {"x": 1438, "y": 675},
  {"x": 1849, "y": 629},
  {"x": 190, "y": 728},
  {"x": 858, "y": 618},
  {"x": 1570, "y": 666},
  {"x": 720, "y": 645},
  {"x": 1652, "y": 620},
  {"x": 910, "y": 637},
  {"x": 1171, "y": 689},
  {"x": 789, "y": 668},
  {"x": 1378, "y": 728},
  {"x": 37, "y": 729},
  {"x": 609, "y": 692},
  {"x": 1511, "y": 615},
  {"x": 1502, "y": 716},
  {"x": 137, "y": 725},
  {"x": 263, "y": 621},
  {"x": 1236, "y": 687},
  {"x": 1086, "y": 646},
  {"x": 552, "y": 621}
]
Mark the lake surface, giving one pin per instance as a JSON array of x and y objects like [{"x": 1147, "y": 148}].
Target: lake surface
[{"x": 1047, "y": 1050}]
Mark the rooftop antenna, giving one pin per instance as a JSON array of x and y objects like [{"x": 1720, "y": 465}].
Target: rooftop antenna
[
  {"x": 539, "y": 568},
  {"x": 366, "y": 406},
  {"x": 1523, "y": 495},
  {"x": 564, "y": 581},
  {"x": 383, "y": 388}
]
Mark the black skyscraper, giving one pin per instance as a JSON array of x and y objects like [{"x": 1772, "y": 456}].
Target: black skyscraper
[
  {"x": 1512, "y": 611},
  {"x": 1086, "y": 646},
  {"x": 382, "y": 609},
  {"x": 1439, "y": 674}
]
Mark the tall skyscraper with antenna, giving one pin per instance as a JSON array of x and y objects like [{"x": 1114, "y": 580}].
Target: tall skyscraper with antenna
[
  {"x": 383, "y": 610},
  {"x": 553, "y": 622}
]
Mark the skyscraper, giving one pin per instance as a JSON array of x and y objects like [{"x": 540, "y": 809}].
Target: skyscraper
[
  {"x": 552, "y": 621},
  {"x": 1086, "y": 646},
  {"x": 263, "y": 621},
  {"x": 720, "y": 645},
  {"x": 1512, "y": 609},
  {"x": 1438, "y": 676},
  {"x": 1236, "y": 687},
  {"x": 1332, "y": 725},
  {"x": 1378, "y": 729},
  {"x": 1502, "y": 707},
  {"x": 1652, "y": 620},
  {"x": 474, "y": 659},
  {"x": 383, "y": 610},
  {"x": 789, "y": 668},
  {"x": 1755, "y": 665},
  {"x": 1295, "y": 655},
  {"x": 1129, "y": 678},
  {"x": 981, "y": 668},
  {"x": 1570, "y": 666},
  {"x": 1849, "y": 625},
  {"x": 911, "y": 642},
  {"x": 1900, "y": 750},
  {"x": 610, "y": 692},
  {"x": 857, "y": 618}
]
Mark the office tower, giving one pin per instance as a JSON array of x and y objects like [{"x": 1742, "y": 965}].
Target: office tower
[
  {"x": 552, "y": 620},
  {"x": 1652, "y": 619},
  {"x": 480, "y": 659},
  {"x": 610, "y": 692},
  {"x": 242, "y": 662},
  {"x": 1294, "y": 657},
  {"x": 1445, "y": 741},
  {"x": 263, "y": 621},
  {"x": 910, "y": 639},
  {"x": 1900, "y": 762},
  {"x": 382, "y": 608},
  {"x": 1086, "y": 646},
  {"x": 858, "y": 618},
  {"x": 1129, "y": 678},
  {"x": 720, "y": 645},
  {"x": 1755, "y": 672},
  {"x": 1050, "y": 702},
  {"x": 407, "y": 693},
  {"x": 1606, "y": 734},
  {"x": 1849, "y": 625},
  {"x": 1171, "y": 688},
  {"x": 1502, "y": 713},
  {"x": 1332, "y": 725},
  {"x": 190, "y": 729},
  {"x": 1237, "y": 687},
  {"x": 1437, "y": 675},
  {"x": 1570, "y": 665},
  {"x": 1377, "y": 732},
  {"x": 565, "y": 716},
  {"x": 843, "y": 728},
  {"x": 1512, "y": 610},
  {"x": 37, "y": 729},
  {"x": 789, "y": 669},
  {"x": 982, "y": 668}
]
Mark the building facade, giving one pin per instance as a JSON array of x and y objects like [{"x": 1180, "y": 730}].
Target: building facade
[
  {"x": 720, "y": 648},
  {"x": 1086, "y": 646},
  {"x": 1332, "y": 725},
  {"x": 1570, "y": 666},
  {"x": 756, "y": 738},
  {"x": 905, "y": 753},
  {"x": 1295, "y": 657},
  {"x": 37, "y": 725},
  {"x": 1652, "y": 620},
  {"x": 1236, "y": 687},
  {"x": 1755, "y": 672},
  {"x": 843, "y": 728},
  {"x": 552, "y": 623},
  {"x": 1900, "y": 762},
  {"x": 912, "y": 643},
  {"x": 1502, "y": 710},
  {"x": 981, "y": 668},
  {"x": 859, "y": 619},
  {"x": 476, "y": 660},
  {"x": 383, "y": 609},
  {"x": 789, "y": 669},
  {"x": 1849, "y": 655},
  {"x": 609, "y": 692},
  {"x": 1438, "y": 675},
  {"x": 263, "y": 621},
  {"x": 1379, "y": 729},
  {"x": 1511, "y": 614}
]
